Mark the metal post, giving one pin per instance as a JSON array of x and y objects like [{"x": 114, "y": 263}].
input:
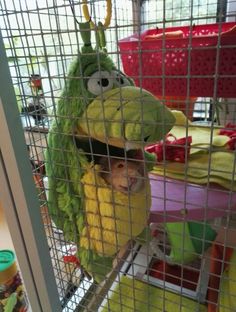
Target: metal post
[{"x": 21, "y": 206}]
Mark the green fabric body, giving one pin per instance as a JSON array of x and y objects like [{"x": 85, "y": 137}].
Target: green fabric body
[{"x": 66, "y": 163}]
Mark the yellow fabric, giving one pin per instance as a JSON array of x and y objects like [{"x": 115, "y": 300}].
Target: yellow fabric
[
  {"x": 180, "y": 118},
  {"x": 217, "y": 167},
  {"x": 228, "y": 287},
  {"x": 137, "y": 116},
  {"x": 210, "y": 160},
  {"x": 203, "y": 137},
  {"x": 112, "y": 217},
  {"x": 132, "y": 295}
]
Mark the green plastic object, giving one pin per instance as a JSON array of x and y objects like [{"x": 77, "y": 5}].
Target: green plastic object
[
  {"x": 7, "y": 258},
  {"x": 202, "y": 235},
  {"x": 188, "y": 240},
  {"x": 182, "y": 248}
]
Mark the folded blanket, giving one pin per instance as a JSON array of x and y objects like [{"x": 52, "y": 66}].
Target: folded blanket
[
  {"x": 217, "y": 167},
  {"x": 203, "y": 137},
  {"x": 209, "y": 159}
]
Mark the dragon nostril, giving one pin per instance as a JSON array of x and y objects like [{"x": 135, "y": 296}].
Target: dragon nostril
[{"x": 146, "y": 138}]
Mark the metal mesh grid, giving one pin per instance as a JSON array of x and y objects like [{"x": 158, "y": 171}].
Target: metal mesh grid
[{"x": 41, "y": 38}]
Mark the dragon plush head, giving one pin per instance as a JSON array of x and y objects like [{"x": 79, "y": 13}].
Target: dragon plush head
[{"x": 99, "y": 104}]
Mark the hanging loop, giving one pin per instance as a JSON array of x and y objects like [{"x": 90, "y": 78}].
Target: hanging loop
[{"x": 88, "y": 16}]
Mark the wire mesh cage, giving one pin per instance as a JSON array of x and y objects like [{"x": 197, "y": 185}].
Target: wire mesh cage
[{"x": 128, "y": 112}]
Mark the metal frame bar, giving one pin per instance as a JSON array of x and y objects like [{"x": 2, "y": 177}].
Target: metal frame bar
[
  {"x": 18, "y": 195},
  {"x": 16, "y": 233}
]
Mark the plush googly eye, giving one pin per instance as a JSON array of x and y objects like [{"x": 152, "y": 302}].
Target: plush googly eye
[
  {"x": 100, "y": 82},
  {"x": 120, "y": 80}
]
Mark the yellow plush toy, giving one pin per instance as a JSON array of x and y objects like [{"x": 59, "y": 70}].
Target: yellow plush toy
[{"x": 113, "y": 217}]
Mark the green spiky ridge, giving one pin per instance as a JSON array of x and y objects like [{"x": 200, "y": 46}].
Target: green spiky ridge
[{"x": 64, "y": 164}]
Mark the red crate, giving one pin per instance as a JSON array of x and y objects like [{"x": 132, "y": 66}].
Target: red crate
[{"x": 185, "y": 62}]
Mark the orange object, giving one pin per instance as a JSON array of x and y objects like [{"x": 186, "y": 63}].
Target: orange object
[
  {"x": 38, "y": 180},
  {"x": 169, "y": 34}
]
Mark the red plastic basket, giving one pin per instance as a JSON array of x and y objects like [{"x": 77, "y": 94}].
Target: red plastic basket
[{"x": 202, "y": 58}]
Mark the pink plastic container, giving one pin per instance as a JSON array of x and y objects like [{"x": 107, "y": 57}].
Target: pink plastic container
[
  {"x": 175, "y": 201},
  {"x": 202, "y": 57}
]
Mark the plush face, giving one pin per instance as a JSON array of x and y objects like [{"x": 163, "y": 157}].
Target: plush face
[
  {"x": 91, "y": 74},
  {"x": 105, "y": 105},
  {"x": 123, "y": 176},
  {"x": 127, "y": 118}
]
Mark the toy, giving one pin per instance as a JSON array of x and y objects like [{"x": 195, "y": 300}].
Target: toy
[{"x": 99, "y": 102}]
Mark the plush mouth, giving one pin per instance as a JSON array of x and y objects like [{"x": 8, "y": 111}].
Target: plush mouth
[{"x": 95, "y": 149}]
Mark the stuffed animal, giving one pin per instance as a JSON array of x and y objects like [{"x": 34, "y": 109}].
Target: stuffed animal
[{"x": 100, "y": 109}]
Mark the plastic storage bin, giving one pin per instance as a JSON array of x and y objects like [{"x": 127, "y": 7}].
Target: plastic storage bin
[{"x": 193, "y": 61}]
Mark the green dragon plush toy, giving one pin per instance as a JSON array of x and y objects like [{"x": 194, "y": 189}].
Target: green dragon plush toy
[{"x": 99, "y": 108}]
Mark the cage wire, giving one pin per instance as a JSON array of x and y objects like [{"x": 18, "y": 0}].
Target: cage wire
[{"x": 185, "y": 260}]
